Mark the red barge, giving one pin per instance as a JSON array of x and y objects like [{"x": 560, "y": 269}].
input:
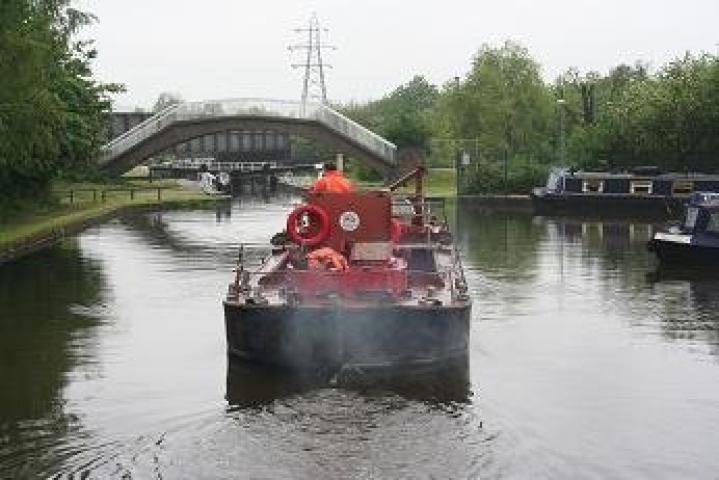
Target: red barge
[{"x": 365, "y": 280}]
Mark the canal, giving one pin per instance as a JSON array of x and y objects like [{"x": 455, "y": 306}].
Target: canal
[{"x": 586, "y": 361}]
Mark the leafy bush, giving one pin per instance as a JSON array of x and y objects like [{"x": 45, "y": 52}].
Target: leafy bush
[{"x": 488, "y": 177}]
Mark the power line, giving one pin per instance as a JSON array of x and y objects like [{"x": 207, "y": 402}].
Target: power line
[{"x": 313, "y": 84}]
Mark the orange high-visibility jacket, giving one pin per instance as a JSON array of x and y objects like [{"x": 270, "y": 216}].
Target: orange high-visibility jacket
[
  {"x": 332, "y": 181},
  {"x": 326, "y": 257}
]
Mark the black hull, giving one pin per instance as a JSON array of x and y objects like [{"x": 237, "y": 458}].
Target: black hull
[
  {"x": 684, "y": 254},
  {"x": 606, "y": 205},
  {"x": 368, "y": 338},
  {"x": 252, "y": 385}
]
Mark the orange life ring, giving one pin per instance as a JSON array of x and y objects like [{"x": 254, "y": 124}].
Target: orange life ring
[
  {"x": 318, "y": 216},
  {"x": 395, "y": 230}
]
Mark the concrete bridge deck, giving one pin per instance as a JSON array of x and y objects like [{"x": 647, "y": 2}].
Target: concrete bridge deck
[{"x": 185, "y": 121}]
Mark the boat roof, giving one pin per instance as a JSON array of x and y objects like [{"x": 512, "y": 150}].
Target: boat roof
[
  {"x": 704, "y": 199},
  {"x": 691, "y": 176}
]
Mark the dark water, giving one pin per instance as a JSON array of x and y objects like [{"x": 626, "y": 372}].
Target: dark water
[{"x": 585, "y": 362}]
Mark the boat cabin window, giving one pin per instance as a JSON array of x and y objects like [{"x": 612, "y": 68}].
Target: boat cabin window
[
  {"x": 691, "y": 219},
  {"x": 682, "y": 187},
  {"x": 640, "y": 187},
  {"x": 592, "y": 186},
  {"x": 713, "y": 225}
]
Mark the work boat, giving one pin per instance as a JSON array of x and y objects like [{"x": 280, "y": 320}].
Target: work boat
[
  {"x": 366, "y": 280},
  {"x": 696, "y": 241}
]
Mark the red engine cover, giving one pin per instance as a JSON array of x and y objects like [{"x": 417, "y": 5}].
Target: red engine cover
[{"x": 355, "y": 217}]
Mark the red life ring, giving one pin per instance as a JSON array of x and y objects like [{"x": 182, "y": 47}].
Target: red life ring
[
  {"x": 395, "y": 230},
  {"x": 318, "y": 216}
]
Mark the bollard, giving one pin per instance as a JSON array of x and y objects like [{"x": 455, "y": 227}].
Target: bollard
[
  {"x": 72, "y": 197},
  {"x": 132, "y": 194},
  {"x": 158, "y": 193},
  {"x": 103, "y": 195},
  {"x": 94, "y": 195}
]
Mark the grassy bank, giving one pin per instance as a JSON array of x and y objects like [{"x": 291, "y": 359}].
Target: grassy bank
[
  {"x": 77, "y": 204},
  {"x": 439, "y": 182}
]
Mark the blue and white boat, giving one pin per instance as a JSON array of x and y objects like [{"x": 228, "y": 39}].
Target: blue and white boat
[{"x": 696, "y": 240}]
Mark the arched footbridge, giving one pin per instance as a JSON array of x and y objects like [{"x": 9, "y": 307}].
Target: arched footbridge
[{"x": 185, "y": 121}]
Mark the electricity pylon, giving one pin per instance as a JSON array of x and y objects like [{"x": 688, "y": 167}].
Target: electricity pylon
[{"x": 313, "y": 86}]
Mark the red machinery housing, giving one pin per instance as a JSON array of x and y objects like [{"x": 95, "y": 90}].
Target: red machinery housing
[
  {"x": 354, "y": 217},
  {"x": 360, "y": 227}
]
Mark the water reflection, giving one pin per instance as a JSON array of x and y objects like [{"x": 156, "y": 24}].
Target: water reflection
[
  {"x": 503, "y": 243},
  {"x": 155, "y": 229},
  {"x": 576, "y": 349},
  {"x": 204, "y": 243},
  {"x": 50, "y": 304},
  {"x": 687, "y": 302},
  {"x": 520, "y": 259}
]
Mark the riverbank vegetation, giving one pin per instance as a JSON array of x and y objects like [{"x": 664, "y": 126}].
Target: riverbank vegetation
[
  {"x": 77, "y": 202},
  {"x": 513, "y": 126},
  {"x": 52, "y": 110}
]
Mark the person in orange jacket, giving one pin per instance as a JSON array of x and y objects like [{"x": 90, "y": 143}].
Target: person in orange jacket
[
  {"x": 332, "y": 180},
  {"x": 326, "y": 258}
]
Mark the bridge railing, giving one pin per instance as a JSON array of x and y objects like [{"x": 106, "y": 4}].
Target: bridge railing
[
  {"x": 323, "y": 114},
  {"x": 214, "y": 166},
  {"x": 139, "y": 132}
]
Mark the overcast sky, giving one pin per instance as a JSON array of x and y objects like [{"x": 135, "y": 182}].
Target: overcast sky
[{"x": 215, "y": 49}]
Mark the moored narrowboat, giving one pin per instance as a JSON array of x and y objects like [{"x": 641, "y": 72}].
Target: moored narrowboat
[
  {"x": 696, "y": 240},
  {"x": 643, "y": 190}
]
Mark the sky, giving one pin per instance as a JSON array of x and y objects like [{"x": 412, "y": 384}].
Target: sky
[{"x": 213, "y": 49}]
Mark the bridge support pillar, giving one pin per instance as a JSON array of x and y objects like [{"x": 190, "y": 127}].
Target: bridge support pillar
[{"x": 273, "y": 183}]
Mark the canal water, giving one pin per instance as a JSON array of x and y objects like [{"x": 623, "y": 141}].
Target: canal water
[{"x": 586, "y": 361}]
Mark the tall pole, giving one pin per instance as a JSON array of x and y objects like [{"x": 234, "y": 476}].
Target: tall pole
[
  {"x": 506, "y": 171},
  {"x": 308, "y": 62},
  {"x": 562, "y": 140},
  {"x": 313, "y": 65},
  {"x": 320, "y": 64}
]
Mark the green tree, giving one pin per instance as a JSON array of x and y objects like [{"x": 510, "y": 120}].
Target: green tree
[
  {"x": 52, "y": 113},
  {"x": 625, "y": 118},
  {"x": 502, "y": 101},
  {"x": 505, "y": 105},
  {"x": 29, "y": 111},
  {"x": 667, "y": 119},
  {"x": 403, "y": 117}
]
